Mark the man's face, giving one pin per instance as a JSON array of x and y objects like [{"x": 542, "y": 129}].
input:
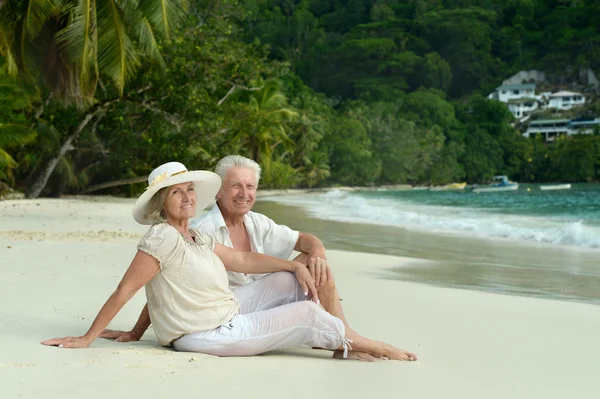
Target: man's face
[{"x": 238, "y": 191}]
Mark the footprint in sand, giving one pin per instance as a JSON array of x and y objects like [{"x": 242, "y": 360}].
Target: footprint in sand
[{"x": 18, "y": 364}]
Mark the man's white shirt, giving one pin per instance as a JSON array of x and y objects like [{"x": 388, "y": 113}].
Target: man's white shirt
[{"x": 266, "y": 237}]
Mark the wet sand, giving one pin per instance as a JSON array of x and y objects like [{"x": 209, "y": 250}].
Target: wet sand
[{"x": 488, "y": 264}]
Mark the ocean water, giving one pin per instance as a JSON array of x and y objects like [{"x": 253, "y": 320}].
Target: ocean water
[
  {"x": 566, "y": 217},
  {"x": 528, "y": 242}
]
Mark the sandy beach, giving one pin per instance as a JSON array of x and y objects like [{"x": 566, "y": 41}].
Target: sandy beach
[{"x": 61, "y": 259}]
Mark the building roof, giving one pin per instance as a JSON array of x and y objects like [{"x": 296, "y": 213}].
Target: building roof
[
  {"x": 584, "y": 123},
  {"x": 565, "y": 94},
  {"x": 522, "y": 100},
  {"x": 515, "y": 87},
  {"x": 545, "y": 121}
]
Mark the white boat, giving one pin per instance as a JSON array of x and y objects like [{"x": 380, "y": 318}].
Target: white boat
[
  {"x": 500, "y": 183},
  {"x": 551, "y": 187}
]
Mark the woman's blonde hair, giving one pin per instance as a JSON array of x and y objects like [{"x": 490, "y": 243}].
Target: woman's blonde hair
[{"x": 154, "y": 209}]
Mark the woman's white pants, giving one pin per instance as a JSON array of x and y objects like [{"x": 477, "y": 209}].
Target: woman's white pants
[{"x": 274, "y": 314}]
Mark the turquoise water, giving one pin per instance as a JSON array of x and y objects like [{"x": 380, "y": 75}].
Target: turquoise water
[
  {"x": 566, "y": 217},
  {"x": 581, "y": 202},
  {"x": 528, "y": 242}
]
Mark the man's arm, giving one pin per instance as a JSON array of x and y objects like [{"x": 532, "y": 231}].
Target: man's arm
[
  {"x": 256, "y": 263},
  {"x": 135, "y": 334},
  {"x": 310, "y": 245},
  {"x": 314, "y": 257}
]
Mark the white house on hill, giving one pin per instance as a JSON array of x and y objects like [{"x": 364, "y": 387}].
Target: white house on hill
[
  {"x": 505, "y": 93},
  {"x": 564, "y": 100},
  {"x": 550, "y": 129},
  {"x": 521, "y": 98},
  {"x": 522, "y": 107}
]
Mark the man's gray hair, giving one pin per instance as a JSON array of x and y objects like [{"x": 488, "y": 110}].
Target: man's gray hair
[{"x": 236, "y": 161}]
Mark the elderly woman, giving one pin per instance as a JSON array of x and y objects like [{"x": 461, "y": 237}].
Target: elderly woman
[{"x": 189, "y": 301}]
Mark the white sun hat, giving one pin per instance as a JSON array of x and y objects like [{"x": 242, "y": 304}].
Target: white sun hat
[{"x": 206, "y": 183}]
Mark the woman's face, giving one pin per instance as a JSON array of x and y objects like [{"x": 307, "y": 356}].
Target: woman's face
[{"x": 180, "y": 202}]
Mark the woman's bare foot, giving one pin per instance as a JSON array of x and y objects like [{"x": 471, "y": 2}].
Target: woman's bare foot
[
  {"x": 352, "y": 355},
  {"x": 393, "y": 353}
]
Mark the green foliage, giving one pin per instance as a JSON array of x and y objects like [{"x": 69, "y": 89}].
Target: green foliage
[
  {"x": 348, "y": 147},
  {"x": 15, "y": 130},
  {"x": 71, "y": 45},
  {"x": 318, "y": 92},
  {"x": 280, "y": 174}
]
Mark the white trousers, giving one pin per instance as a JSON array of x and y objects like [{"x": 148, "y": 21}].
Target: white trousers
[{"x": 274, "y": 314}]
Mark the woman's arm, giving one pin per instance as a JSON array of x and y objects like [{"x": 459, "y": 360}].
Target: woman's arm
[
  {"x": 252, "y": 262},
  {"x": 135, "y": 334},
  {"x": 255, "y": 263},
  {"x": 142, "y": 269}
]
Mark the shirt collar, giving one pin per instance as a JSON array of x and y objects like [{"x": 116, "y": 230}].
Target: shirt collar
[{"x": 220, "y": 221}]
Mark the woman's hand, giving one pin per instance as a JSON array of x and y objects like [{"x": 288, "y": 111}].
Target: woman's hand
[
  {"x": 120, "y": 336},
  {"x": 307, "y": 283},
  {"x": 69, "y": 342}
]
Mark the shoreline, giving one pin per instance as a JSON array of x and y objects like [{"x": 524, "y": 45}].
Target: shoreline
[
  {"x": 490, "y": 264},
  {"x": 486, "y": 264}
]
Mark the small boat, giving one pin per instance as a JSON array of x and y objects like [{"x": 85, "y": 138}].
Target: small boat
[
  {"x": 499, "y": 184},
  {"x": 449, "y": 187},
  {"x": 552, "y": 187}
]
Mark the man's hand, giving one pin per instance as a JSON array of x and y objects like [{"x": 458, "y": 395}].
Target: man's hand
[
  {"x": 317, "y": 251},
  {"x": 120, "y": 336},
  {"x": 306, "y": 282},
  {"x": 319, "y": 270},
  {"x": 69, "y": 342}
]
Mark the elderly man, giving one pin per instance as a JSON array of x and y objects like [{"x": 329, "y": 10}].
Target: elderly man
[{"x": 233, "y": 224}]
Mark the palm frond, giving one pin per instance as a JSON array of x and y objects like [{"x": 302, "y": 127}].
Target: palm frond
[
  {"x": 163, "y": 15},
  {"x": 66, "y": 171},
  {"x": 6, "y": 161},
  {"x": 12, "y": 135},
  {"x": 117, "y": 56},
  {"x": 148, "y": 43},
  {"x": 35, "y": 15},
  {"x": 6, "y": 51},
  {"x": 77, "y": 38}
]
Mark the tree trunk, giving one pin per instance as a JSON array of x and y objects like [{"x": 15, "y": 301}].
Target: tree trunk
[
  {"x": 115, "y": 183},
  {"x": 35, "y": 189},
  {"x": 4, "y": 189}
]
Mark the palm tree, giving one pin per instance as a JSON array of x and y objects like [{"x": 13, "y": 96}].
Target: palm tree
[
  {"x": 316, "y": 169},
  {"x": 11, "y": 136},
  {"x": 14, "y": 130},
  {"x": 268, "y": 111},
  {"x": 72, "y": 45}
]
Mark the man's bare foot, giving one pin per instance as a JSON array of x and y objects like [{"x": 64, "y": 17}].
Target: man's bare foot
[
  {"x": 352, "y": 355},
  {"x": 393, "y": 353}
]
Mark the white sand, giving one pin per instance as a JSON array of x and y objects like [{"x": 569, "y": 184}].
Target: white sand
[{"x": 61, "y": 259}]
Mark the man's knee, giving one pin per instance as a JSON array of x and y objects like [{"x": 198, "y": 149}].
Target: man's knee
[{"x": 285, "y": 281}]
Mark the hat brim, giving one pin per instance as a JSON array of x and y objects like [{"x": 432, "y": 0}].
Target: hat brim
[{"x": 206, "y": 187}]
